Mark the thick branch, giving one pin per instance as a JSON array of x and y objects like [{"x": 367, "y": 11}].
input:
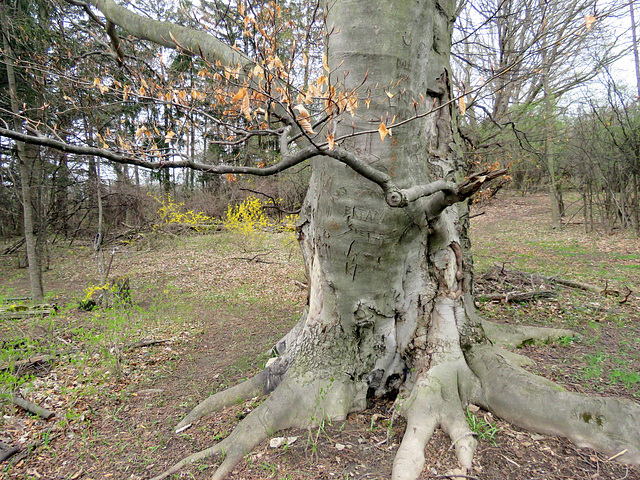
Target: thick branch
[
  {"x": 447, "y": 197},
  {"x": 115, "y": 41},
  {"x": 401, "y": 198},
  {"x": 32, "y": 407},
  {"x": 378, "y": 177},
  {"x": 7, "y": 451},
  {"x": 170, "y": 35}
]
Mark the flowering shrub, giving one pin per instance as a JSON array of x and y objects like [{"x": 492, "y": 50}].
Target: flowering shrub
[
  {"x": 92, "y": 290},
  {"x": 118, "y": 290},
  {"x": 288, "y": 223},
  {"x": 249, "y": 219},
  {"x": 171, "y": 212}
]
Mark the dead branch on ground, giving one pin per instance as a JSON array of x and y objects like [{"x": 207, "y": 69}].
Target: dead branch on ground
[{"x": 31, "y": 407}]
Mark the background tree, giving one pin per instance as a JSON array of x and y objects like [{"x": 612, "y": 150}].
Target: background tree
[
  {"x": 603, "y": 155},
  {"x": 27, "y": 155},
  {"x": 529, "y": 56},
  {"x": 383, "y": 232}
]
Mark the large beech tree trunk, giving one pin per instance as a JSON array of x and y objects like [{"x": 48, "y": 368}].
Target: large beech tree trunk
[
  {"x": 390, "y": 305},
  {"x": 380, "y": 274}
]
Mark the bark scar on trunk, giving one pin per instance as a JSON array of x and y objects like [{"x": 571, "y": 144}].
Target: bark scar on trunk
[{"x": 457, "y": 250}]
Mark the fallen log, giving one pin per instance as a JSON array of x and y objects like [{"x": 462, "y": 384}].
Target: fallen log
[
  {"x": 516, "y": 297},
  {"x": 535, "y": 277},
  {"x": 144, "y": 343},
  {"x": 28, "y": 406},
  {"x": 32, "y": 407},
  {"x": 27, "y": 449},
  {"x": 578, "y": 285},
  {"x": 26, "y": 363},
  {"x": 14, "y": 248},
  {"x": 16, "y": 299},
  {"x": 21, "y": 311}
]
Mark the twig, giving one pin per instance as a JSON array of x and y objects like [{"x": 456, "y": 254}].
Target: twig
[
  {"x": 509, "y": 460},
  {"x": 626, "y": 475},
  {"x": 626, "y": 297},
  {"x": 617, "y": 455},
  {"x": 144, "y": 343},
  {"x": 516, "y": 297},
  {"x": 456, "y": 475},
  {"x": 254, "y": 258},
  {"x": 27, "y": 362}
]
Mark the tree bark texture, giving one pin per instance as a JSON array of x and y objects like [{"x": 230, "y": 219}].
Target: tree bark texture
[{"x": 375, "y": 270}]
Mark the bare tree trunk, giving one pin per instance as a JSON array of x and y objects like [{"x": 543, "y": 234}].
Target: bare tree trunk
[
  {"x": 27, "y": 157},
  {"x": 549, "y": 159},
  {"x": 635, "y": 45},
  {"x": 98, "y": 240}
]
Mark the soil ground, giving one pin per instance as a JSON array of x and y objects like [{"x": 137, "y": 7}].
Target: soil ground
[{"x": 217, "y": 304}]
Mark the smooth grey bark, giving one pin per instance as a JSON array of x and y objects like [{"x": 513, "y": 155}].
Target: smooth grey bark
[
  {"x": 373, "y": 265},
  {"x": 171, "y": 35}
]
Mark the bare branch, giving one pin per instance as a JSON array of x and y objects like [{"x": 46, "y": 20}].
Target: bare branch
[
  {"x": 401, "y": 198},
  {"x": 115, "y": 41},
  {"x": 378, "y": 177},
  {"x": 288, "y": 161}
]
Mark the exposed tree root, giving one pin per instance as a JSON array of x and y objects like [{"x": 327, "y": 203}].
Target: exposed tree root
[
  {"x": 437, "y": 397},
  {"x": 444, "y": 381},
  {"x": 434, "y": 401},
  {"x": 261, "y": 384},
  {"x": 518, "y": 335},
  {"x": 292, "y": 404},
  {"x": 607, "y": 424}
]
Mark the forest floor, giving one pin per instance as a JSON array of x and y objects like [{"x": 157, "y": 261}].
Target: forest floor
[{"x": 216, "y": 303}]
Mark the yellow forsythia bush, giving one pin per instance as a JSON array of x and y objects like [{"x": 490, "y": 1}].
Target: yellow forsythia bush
[
  {"x": 246, "y": 218},
  {"x": 249, "y": 218},
  {"x": 171, "y": 212}
]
